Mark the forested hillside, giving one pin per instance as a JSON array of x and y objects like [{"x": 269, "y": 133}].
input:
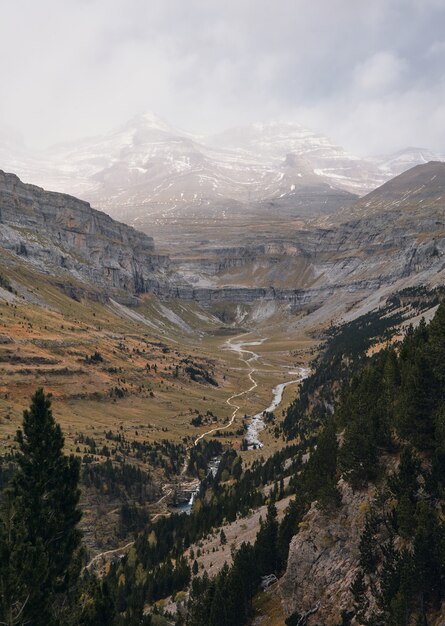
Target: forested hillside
[{"x": 384, "y": 436}]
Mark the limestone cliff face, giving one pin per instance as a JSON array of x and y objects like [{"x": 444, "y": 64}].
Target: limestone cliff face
[
  {"x": 395, "y": 236},
  {"x": 56, "y": 232},
  {"x": 371, "y": 250},
  {"x": 323, "y": 561}
]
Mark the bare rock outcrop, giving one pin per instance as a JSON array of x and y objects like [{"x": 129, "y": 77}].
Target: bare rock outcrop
[
  {"x": 58, "y": 233},
  {"x": 323, "y": 560}
]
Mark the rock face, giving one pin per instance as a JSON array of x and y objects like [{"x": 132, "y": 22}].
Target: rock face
[
  {"x": 323, "y": 561},
  {"x": 59, "y": 233},
  {"x": 420, "y": 188},
  {"x": 395, "y": 235}
]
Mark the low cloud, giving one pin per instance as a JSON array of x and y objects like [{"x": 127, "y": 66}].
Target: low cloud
[{"x": 370, "y": 75}]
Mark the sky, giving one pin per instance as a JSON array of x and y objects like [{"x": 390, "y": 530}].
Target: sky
[{"x": 368, "y": 73}]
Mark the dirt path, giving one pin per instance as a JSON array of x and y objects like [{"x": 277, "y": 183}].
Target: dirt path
[
  {"x": 238, "y": 347},
  {"x": 168, "y": 491},
  {"x": 236, "y": 407},
  {"x": 107, "y": 553}
]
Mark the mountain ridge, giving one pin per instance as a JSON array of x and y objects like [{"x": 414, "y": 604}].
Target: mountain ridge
[{"x": 147, "y": 169}]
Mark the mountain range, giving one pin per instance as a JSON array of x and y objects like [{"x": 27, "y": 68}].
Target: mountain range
[
  {"x": 147, "y": 171},
  {"x": 392, "y": 238}
]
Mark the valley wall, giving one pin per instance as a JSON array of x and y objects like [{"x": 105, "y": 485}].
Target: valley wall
[{"x": 59, "y": 232}]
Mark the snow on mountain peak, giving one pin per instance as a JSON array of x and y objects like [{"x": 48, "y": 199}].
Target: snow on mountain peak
[
  {"x": 148, "y": 163},
  {"x": 149, "y": 120}
]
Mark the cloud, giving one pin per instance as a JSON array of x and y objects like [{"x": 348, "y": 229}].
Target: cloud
[
  {"x": 370, "y": 74},
  {"x": 379, "y": 74}
]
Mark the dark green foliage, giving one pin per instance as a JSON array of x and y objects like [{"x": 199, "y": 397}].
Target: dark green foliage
[
  {"x": 343, "y": 354},
  {"x": 320, "y": 473},
  {"x": 397, "y": 403},
  {"x": 199, "y": 373},
  {"x": 7, "y": 469},
  {"x": 201, "y": 455},
  {"x": 365, "y": 412},
  {"x": 118, "y": 480},
  {"x": 38, "y": 531},
  {"x": 225, "y": 600},
  {"x": 405, "y": 577},
  {"x": 99, "y": 609},
  {"x": 266, "y": 546},
  {"x": 132, "y": 519},
  {"x": 96, "y": 357},
  {"x": 417, "y": 400},
  {"x": 397, "y": 397},
  {"x": 289, "y": 526}
]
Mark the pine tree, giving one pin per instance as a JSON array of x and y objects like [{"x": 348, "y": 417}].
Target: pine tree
[
  {"x": 416, "y": 404},
  {"x": 266, "y": 545},
  {"x": 20, "y": 563},
  {"x": 45, "y": 498},
  {"x": 436, "y": 337}
]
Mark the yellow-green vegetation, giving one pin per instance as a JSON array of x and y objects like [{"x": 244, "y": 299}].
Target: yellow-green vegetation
[
  {"x": 268, "y": 608},
  {"x": 136, "y": 381},
  {"x": 127, "y": 368}
]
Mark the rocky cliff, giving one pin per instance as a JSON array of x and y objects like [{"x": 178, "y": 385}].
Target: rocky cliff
[
  {"x": 396, "y": 234},
  {"x": 59, "y": 233},
  {"x": 323, "y": 560}
]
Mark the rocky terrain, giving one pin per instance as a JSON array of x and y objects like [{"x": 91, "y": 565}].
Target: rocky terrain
[
  {"x": 114, "y": 381},
  {"x": 393, "y": 237},
  {"x": 52, "y": 230},
  {"x": 323, "y": 560}
]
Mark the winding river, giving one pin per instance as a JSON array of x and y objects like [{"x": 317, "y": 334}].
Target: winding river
[
  {"x": 257, "y": 422},
  {"x": 256, "y": 425}
]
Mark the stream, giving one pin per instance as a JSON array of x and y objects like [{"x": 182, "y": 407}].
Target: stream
[
  {"x": 256, "y": 425},
  {"x": 257, "y": 421}
]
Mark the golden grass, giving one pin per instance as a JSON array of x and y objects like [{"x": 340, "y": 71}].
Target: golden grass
[
  {"x": 268, "y": 610},
  {"x": 51, "y": 338}
]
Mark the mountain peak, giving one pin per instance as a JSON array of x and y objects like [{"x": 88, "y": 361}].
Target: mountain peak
[
  {"x": 149, "y": 121},
  {"x": 420, "y": 187}
]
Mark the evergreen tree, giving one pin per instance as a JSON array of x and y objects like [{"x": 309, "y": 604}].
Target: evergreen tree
[
  {"x": 20, "y": 563},
  {"x": 417, "y": 398},
  {"x": 320, "y": 476},
  {"x": 266, "y": 546},
  {"x": 44, "y": 525},
  {"x": 436, "y": 340},
  {"x": 428, "y": 556},
  {"x": 289, "y": 526}
]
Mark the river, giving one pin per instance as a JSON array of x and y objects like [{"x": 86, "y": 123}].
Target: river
[{"x": 257, "y": 422}]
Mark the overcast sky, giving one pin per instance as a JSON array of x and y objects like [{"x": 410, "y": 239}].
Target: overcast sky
[{"x": 369, "y": 73}]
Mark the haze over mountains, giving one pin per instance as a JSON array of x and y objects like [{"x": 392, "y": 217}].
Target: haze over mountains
[{"x": 147, "y": 169}]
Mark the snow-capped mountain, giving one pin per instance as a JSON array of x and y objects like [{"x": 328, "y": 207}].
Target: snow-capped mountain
[
  {"x": 278, "y": 140},
  {"x": 398, "y": 162},
  {"x": 147, "y": 168}
]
